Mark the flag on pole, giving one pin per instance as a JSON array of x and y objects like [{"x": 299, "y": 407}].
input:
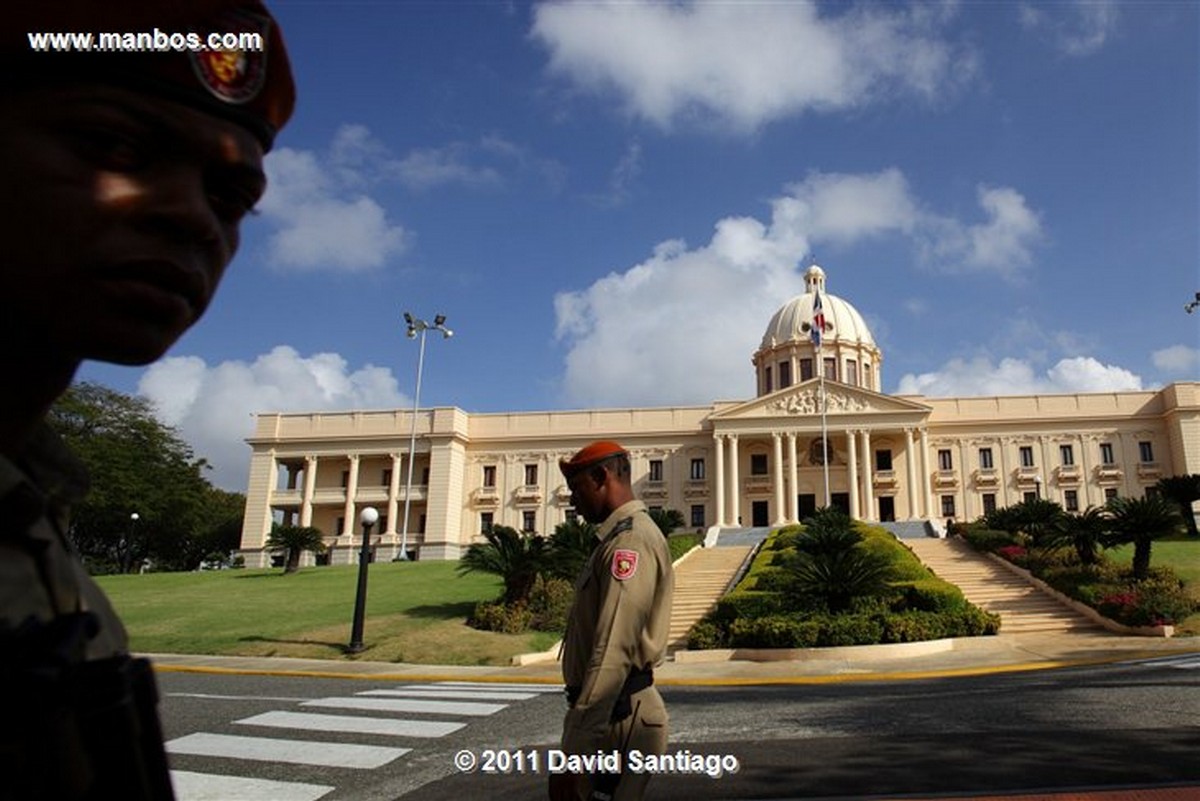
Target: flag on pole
[{"x": 818, "y": 323}]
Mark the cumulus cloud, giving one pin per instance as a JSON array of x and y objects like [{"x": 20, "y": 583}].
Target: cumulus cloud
[
  {"x": 665, "y": 331},
  {"x": 745, "y": 64},
  {"x": 1077, "y": 28},
  {"x": 323, "y": 218},
  {"x": 1012, "y": 376},
  {"x": 212, "y": 405},
  {"x": 1002, "y": 243},
  {"x": 1177, "y": 360}
]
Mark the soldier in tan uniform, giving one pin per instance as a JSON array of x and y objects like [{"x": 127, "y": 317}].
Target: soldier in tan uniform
[
  {"x": 127, "y": 176},
  {"x": 616, "y": 631}
]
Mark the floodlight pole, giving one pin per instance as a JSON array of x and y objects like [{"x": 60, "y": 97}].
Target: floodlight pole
[
  {"x": 368, "y": 517},
  {"x": 416, "y": 326}
]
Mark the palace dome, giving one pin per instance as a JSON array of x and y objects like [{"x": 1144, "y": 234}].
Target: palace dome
[{"x": 793, "y": 321}]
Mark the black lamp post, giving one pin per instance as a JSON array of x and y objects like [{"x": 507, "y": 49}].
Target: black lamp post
[{"x": 368, "y": 518}]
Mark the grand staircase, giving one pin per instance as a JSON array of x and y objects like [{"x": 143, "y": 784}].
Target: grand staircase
[
  {"x": 700, "y": 580},
  {"x": 1023, "y": 608}
]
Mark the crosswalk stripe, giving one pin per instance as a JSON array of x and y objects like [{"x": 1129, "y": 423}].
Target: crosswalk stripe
[
  {"x": 452, "y": 693},
  {"x": 531, "y": 687},
  {"x": 356, "y": 725},
  {"x": 191, "y": 786},
  {"x": 300, "y": 752},
  {"x": 470, "y": 709}
]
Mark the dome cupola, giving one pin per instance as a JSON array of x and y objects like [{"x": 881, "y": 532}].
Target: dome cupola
[{"x": 788, "y": 353}]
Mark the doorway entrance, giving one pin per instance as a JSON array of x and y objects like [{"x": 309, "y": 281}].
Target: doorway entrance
[
  {"x": 759, "y": 514},
  {"x": 887, "y": 509}
]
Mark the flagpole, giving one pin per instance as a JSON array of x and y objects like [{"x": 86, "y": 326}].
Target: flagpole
[{"x": 824, "y": 425}]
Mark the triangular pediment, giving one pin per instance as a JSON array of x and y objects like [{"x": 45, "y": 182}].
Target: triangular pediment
[{"x": 804, "y": 400}]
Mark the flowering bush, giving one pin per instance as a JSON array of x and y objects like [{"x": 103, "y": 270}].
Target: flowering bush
[{"x": 1013, "y": 553}]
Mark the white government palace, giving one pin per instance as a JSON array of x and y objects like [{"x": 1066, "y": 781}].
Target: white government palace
[{"x": 756, "y": 462}]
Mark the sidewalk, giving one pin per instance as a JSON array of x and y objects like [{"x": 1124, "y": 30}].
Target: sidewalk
[{"x": 939, "y": 658}]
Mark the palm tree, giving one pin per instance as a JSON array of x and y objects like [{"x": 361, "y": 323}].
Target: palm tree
[
  {"x": 295, "y": 540},
  {"x": 570, "y": 546},
  {"x": 516, "y": 558},
  {"x": 1141, "y": 521},
  {"x": 1084, "y": 532},
  {"x": 1184, "y": 491},
  {"x": 667, "y": 519},
  {"x": 1038, "y": 518}
]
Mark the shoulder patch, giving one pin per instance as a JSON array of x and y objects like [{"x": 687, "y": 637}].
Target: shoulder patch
[{"x": 624, "y": 563}]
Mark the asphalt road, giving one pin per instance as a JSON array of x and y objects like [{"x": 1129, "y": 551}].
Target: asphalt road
[{"x": 1111, "y": 726}]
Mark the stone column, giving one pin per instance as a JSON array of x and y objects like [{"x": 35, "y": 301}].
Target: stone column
[
  {"x": 868, "y": 479},
  {"x": 351, "y": 491},
  {"x": 793, "y": 480},
  {"x": 734, "y": 482},
  {"x": 719, "y": 478},
  {"x": 310, "y": 485},
  {"x": 1085, "y": 467},
  {"x": 852, "y": 459},
  {"x": 780, "y": 518},
  {"x": 393, "y": 502},
  {"x": 910, "y": 478},
  {"x": 926, "y": 489}
]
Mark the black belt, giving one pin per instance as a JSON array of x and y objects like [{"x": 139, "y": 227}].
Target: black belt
[{"x": 637, "y": 680}]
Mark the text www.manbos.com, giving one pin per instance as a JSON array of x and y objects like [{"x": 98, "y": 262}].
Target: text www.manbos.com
[{"x": 144, "y": 42}]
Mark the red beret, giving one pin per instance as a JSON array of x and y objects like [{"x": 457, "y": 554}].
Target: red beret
[
  {"x": 596, "y": 452},
  {"x": 157, "y": 46}
]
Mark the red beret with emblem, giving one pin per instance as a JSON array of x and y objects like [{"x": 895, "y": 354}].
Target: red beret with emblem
[
  {"x": 250, "y": 86},
  {"x": 596, "y": 452}
]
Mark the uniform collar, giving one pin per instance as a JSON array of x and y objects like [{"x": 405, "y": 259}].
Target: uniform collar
[{"x": 622, "y": 512}]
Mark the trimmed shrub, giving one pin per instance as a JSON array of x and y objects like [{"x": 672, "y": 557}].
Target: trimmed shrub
[
  {"x": 496, "y": 616},
  {"x": 550, "y": 603},
  {"x": 705, "y": 635},
  {"x": 773, "y": 631},
  {"x": 986, "y": 539},
  {"x": 931, "y": 595},
  {"x": 838, "y": 630}
]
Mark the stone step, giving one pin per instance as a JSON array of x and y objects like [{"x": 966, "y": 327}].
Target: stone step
[{"x": 700, "y": 581}]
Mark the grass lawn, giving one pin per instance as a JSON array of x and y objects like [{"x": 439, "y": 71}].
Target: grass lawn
[
  {"x": 1181, "y": 554},
  {"x": 415, "y": 613}
]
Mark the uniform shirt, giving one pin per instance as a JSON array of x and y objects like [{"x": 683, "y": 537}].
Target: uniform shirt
[
  {"x": 618, "y": 622},
  {"x": 40, "y": 577}
]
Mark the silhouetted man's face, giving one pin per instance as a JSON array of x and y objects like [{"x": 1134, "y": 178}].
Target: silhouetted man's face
[{"x": 119, "y": 213}]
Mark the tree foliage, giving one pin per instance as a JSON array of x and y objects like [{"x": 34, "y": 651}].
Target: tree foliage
[
  {"x": 140, "y": 466},
  {"x": 517, "y": 558},
  {"x": 570, "y": 546},
  {"x": 1141, "y": 521},
  {"x": 667, "y": 520},
  {"x": 294, "y": 541},
  {"x": 1183, "y": 491}
]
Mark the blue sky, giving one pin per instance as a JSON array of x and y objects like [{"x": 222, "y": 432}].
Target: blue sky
[{"x": 610, "y": 200}]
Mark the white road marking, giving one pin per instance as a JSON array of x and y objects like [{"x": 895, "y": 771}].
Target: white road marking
[
  {"x": 208, "y": 697},
  {"x": 496, "y": 685},
  {"x": 299, "y": 752},
  {"x": 452, "y": 692},
  {"x": 409, "y": 705},
  {"x": 208, "y": 787},
  {"x": 355, "y": 725}
]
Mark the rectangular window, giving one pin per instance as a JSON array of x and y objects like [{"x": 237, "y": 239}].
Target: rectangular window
[
  {"x": 785, "y": 374},
  {"x": 486, "y": 521},
  {"x": 831, "y": 369},
  {"x": 883, "y": 460},
  {"x": 1109, "y": 493},
  {"x": 1145, "y": 451},
  {"x": 1067, "y": 454},
  {"x": 656, "y": 473},
  {"x": 758, "y": 464},
  {"x": 1029, "y": 497},
  {"x": 424, "y": 476},
  {"x": 866, "y": 375},
  {"x": 945, "y": 460},
  {"x": 768, "y": 387},
  {"x": 1106, "y": 453},
  {"x": 985, "y": 459},
  {"x": 489, "y": 475},
  {"x": 528, "y": 521},
  {"x": 806, "y": 369},
  {"x": 852, "y": 372},
  {"x": 531, "y": 478},
  {"x": 386, "y": 478},
  {"x": 345, "y": 479},
  {"x": 947, "y": 506},
  {"x": 697, "y": 473},
  {"x": 989, "y": 502},
  {"x": 572, "y": 515},
  {"x": 698, "y": 515},
  {"x": 1026, "y": 456},
  {"x": 1071, "y": 500}
]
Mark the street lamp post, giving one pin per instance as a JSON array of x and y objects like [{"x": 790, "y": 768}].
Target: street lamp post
[
  {"x": 416, "y": 326},
  {"x": 1037, "y": 482},
  {"x": 368, "y": 518},
  {"x": 125, "y": 566}
]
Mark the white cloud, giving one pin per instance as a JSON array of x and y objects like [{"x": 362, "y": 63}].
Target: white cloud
[
  {"x": 748, "y": 64},
  {"x": 1077, "y": 28},
  {"x": 212, "y": 406},
  {"x": 1002, "y": 244},
  {"x": 667, "y": 331},
  {"x": 1177, "y": 360},
  {"x": 323, "y": 219},
  {"x": 1011, "y": 376}
]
